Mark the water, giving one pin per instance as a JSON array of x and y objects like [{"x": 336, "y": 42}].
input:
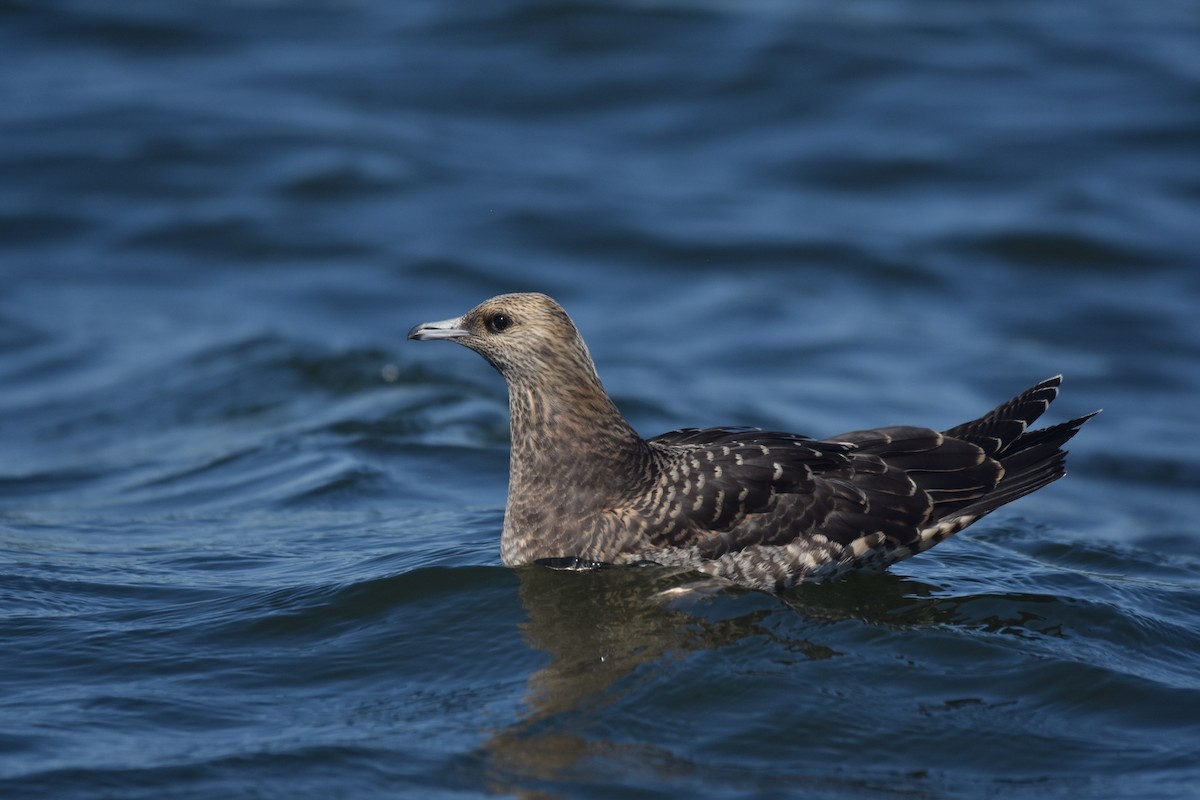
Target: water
[{"x": 249, "y": 535}]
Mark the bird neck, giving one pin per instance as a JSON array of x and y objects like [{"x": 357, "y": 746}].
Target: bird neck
[
  {"x": 571, "y": 449},
  {"x": 565, "y": 424}
]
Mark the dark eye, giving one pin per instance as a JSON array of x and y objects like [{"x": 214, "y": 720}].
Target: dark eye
[{"x": 498, "y": 323}]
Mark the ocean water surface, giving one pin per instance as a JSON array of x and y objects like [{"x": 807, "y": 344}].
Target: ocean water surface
[{"x": 249, "y": 535}]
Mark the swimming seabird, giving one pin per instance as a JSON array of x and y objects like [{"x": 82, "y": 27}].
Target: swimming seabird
[{"x": 763, "y": 509}]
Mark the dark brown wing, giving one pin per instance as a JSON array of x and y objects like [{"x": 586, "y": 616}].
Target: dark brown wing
[
  {"x": 942, "y": 471},
  {"x": 711, "y": 479},
  {"x": 724, "y": 489}
]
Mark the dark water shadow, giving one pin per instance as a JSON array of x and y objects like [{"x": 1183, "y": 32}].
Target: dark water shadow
[
  {"x": 603, "y": 629},
  {"x": 895, "y": 602},
  {"x": 599, "y": 628},
  {"x": 608, "y": 633}
]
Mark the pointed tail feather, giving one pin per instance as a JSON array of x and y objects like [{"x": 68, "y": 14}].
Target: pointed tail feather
[
  {"x": 1031, "y": 459},
  {"x": 1005, "y": 423}
]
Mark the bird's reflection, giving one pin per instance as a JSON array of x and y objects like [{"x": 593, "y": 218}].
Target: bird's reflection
[{"x": 600, "y": 626}]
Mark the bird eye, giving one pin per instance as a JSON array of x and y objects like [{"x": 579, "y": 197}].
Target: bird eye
[{"x": 498, "y": 323}]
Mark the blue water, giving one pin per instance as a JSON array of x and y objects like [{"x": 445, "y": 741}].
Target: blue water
[{"x": 249, "y": 535}]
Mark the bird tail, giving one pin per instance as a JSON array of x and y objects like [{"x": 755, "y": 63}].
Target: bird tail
[{"x": 1031, "y": 459}]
